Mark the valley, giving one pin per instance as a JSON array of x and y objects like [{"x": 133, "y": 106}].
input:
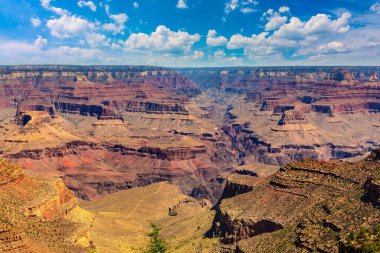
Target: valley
[{"x": 104, "y": 151}]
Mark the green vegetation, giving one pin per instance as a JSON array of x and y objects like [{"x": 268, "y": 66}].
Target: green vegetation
[
  {"x": 157, "y": 245},
  {"x": 366, "y": 240}
]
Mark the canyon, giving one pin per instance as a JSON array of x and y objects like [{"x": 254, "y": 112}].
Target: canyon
[{"x": 99, "y": 145}]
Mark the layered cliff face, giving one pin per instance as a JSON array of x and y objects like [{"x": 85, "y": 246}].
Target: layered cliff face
[
  {"x": 105, "y": 129},
  {"x": 34, "y": 214},
  {"x": 279, "y": 115},
  {"x": 108, "y": 128},
  {"x": 307, "y": 206}
]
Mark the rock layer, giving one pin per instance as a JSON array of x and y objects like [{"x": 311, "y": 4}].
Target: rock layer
[{"x": 307, "y": 206}]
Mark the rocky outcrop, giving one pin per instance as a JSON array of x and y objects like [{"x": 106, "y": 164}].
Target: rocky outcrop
[
  {"x": 12, "y": 241},
  {"x": 292, "y": 117},
  {"x": 307, "y": 206},
  {"x": 373, "y": 78},
  {"x": 148, "y": 107},
  {"x": 171, "y": 154},
  {"x": 372, "y": 189},
  {"x": 9, "y": 173},
  {"x": 54, "y": 207},
  {"x": 33, "y": 213}
]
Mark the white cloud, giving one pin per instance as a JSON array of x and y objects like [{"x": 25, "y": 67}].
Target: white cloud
[
  {"x": 96, "y": 40},
  {"x": 73, "y": 26},
  {"x": 115, "y": 46},
  {"x": 119, "y": 23},
  {"x": 46, "y": 5},
  {"x": 275, "y": 19},
  {"x": 334, "y": 47},
  {"x": 316, "y": 25},
  {"x": 162, "y": 40},
  {"x": 295, "y": 36},
  {"x": 35, "y": 22},
  {"x": 247, "y": 10},
  {"x": 231, "y": 6},
  {"x": 182, "y": 4},
  {"x": 120, "y": 18},
  {"x": 375, "y": 7},
  {"x": 245, "y": 6},
  {"x": 198, "y": 54},
  {"x": 222, "y": 57},
  {"x": 219, "y": 54},
  {"x": 284, "y": 9},
  {"x": 20, "y": 52},
  {"x": 213, "y": 40},
  {"x": 69, "y": 26},
  {"x": 256, "y": 44},
  {"x": 40, "y": 43},
  {"x": 79, "y": 52},
  {"x": 89, "y": 4},
  {"x": 136, "y": 5},
  {"x": 107, "y": 8}
]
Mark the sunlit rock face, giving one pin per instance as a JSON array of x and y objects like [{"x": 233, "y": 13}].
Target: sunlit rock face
[
  {"x": 105, "y": 129},
  {"x": 108, "y": 128},
  {"x": 300, "y": 201},
  {"x": 278, "y": 115}
]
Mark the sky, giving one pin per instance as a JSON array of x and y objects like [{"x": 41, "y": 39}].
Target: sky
[{"x": 190, "y": 33}]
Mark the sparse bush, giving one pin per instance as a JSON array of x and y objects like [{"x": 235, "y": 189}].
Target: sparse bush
[
  {"x": 366, "y": 240},
  {"x": 157, "y": 245}
]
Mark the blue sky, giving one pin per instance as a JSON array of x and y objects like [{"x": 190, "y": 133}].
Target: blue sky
[{"x": 183, "y": 33}]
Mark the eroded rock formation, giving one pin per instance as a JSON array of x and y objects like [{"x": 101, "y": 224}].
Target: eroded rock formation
[
  {"x": 307, "y": 206},
  {"x": 34, "y": 214}
]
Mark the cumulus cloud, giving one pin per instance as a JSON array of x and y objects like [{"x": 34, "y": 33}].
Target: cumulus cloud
[
  {"x": 40, "y": 43},
  {"x": 245, "y": 6},
  {"x": 198, "y": 54},
  {"x": 35, "y": 22},
  {"x": 295, "y": 35},
  {"x": 73, "y": 26},
  {"x": 96, "y": 39},
  {"x": 219, "y": 54},
  {"x": 182, "y": 4},
  {"x": 214, "y": 41},
  {"x": 334, "y": 47},
  {"x": 375, "y": 7},
  {"x": 136, "y": 5},
  {"x": 46, "y": 5},
  {"x": 284, "y": 9},
  {"x": 89, "y": 4},
  {"x": 69, "y": 26},
  {"x": 118, "y": 26},
  {"x": 162, "y": 40},
  {"x": 318, "y": 24},
  {"x": 275, "y": 19}
]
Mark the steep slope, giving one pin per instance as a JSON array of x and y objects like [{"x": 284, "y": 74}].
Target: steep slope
[
  {"x": 109, "y": 128},
  {"x": 122, "y": 220},
  {"x": 34, "y": 214},
  {"x": 38, "y": 215},
  {"x": 278, "y": 115},
  {"x": 307, "y": 206}
]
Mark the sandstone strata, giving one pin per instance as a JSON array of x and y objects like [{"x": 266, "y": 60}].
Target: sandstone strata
[
  {"x": 307, "y": 206},
  {"x": 34, "y": 214}
]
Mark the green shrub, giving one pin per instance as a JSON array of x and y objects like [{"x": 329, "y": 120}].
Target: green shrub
[
  {"x": 157, "y": 245},
  {"x": 366, "y": 240}
]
